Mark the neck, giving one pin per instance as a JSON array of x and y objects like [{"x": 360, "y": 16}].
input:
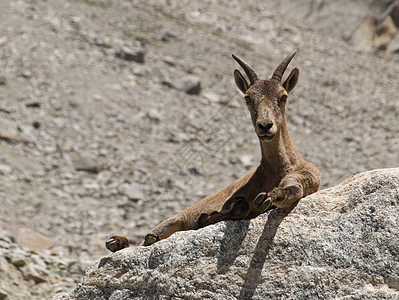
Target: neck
[{"x": 280, "y": 153}]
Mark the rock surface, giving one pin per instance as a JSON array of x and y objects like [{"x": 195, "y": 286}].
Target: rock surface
[{"x": 339, "y": 243}]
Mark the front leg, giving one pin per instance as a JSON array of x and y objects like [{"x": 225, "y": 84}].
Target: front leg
[
  {"x": 233, "y": 209},
  {"x": 116, "y": 243},
  {"x": 288, "y": 193}
]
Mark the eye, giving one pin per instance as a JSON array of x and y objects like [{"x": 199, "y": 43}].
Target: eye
[
  {"x": 283, "y": 98},
  {"x": 247, "y": 99}
]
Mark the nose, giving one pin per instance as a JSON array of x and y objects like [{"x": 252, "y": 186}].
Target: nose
[{"x": 265, "y": 127}]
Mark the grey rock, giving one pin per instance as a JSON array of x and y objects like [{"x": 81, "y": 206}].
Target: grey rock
[
  {"x": 37, "y": 260},
  {"x": 77, "y": 267},
  {"x": 26, "y": 73},
  {"x": 88, "y": 162},
  {"x": 4, "y": 264},
  {"x": 166, "y": 36},
  {"x": 3, "y": 294},
  {"x": 18, "y": 260},
  {"x": 27, "y": 130},
  {"x": 178, "y": 137},
  {"x": 154, "y": 115},
  {"x": 189, "y": 84},
  {"x": 35, "y": 273},
  {"x": 4, "y": 244},
  {"x": 103, "y": 41},
  {"x": 133, "y": 191},
  {"x": 5, "y": 169},
  {"x": 3, "y": 41},
  {"x": 3, "y": 80},
  {"x": 170, "y": 61},
  {"x": 131, "y": 54},
  {"x": 141, "y": 70},
  {"x": 33, "y": 240},
  {"x": 247, "y": 160},
  {"x": 338, "y": 243},
  {"x": 212, "y": 97},
  {"x": 33, "y": 104},
  {"x": 9, "y": 135}
]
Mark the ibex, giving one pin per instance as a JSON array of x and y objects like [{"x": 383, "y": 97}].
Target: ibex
[{"x": 282, "y": 178}]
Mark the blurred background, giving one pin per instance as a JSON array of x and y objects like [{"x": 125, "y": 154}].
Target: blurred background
[{"x": 115, "y": 115}]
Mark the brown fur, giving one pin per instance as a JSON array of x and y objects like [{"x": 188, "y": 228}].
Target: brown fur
[{"x": 283, "y": 174}]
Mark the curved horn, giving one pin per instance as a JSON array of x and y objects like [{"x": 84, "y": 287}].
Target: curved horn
[
  {"x": 252, "y": 76},
  {"x": 278, "y": 73}
]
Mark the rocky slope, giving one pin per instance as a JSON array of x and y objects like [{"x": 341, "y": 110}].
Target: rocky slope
[
  {"x": 117, "y": 114},
  {"x": 340, "y": 243}
]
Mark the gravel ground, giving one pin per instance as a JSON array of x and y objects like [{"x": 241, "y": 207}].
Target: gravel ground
[{"x": 116, "y": 115}]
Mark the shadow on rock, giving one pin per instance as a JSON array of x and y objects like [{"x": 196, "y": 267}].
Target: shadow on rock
[
  {"x": 253, "y": 276},
  {"x": 229, "y": 248}
]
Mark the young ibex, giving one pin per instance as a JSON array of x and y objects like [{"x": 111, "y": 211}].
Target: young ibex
[{"x": 282, "y": 178}]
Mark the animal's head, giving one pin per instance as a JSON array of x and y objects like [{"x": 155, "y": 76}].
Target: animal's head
[{"x": 266, "y": 99}]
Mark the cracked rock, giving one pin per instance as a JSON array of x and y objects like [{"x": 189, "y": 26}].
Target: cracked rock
[
  {"x": 131, "y": 54},
  {"x": 189, "y": 84}
]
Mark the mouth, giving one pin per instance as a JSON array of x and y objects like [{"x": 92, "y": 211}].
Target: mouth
[{"x": 266, "y": 137}]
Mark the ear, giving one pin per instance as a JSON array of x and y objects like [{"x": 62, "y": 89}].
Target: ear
[
  {"x": 291, "y": 80},
  {"x": 240, "y": 80}
]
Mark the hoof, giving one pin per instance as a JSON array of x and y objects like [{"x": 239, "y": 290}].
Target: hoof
[
  {"x": 116, "y": 243},
  {"x": 262, "y": 203},
  {"x": 150, "y": 239}
]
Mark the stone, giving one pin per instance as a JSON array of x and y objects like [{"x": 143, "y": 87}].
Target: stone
[
  {"x": 4, "y": 244},
  {"x": 3, "y": 41},
  {"x": 166, "y": 36},
  {"x": 35, "y": 273},
  {"x": 3, "y": 80},
  {"x": 141, "y": 70},
  {"x": 246, "y": 160},
  {"x": 5, "y": 169},
  {"x": 26, "y": 73},
  {"x": 77, "y": 267},
  {"x": 189, "y": 84},
  {"x": 4, "y": 265},
  {"x": 341, "y": 242},
  {"x": 18, "y": 260},
  {"x": 27, "y": 130},
  {"x": 133, "y": 191},
  {"x": 3, "y": 294},
  {"x": 103, "y": 41},
  {"x": 37, "y": 260},
  {"x": 33, "y": 240},
  {"x": 212, "y": 97},
  {"x": 131, "y": 54},
  {"x": 88, "y": 162},
  {"x": 9, "y": 135},
  {"x": 178, "y": 137},
  {"x": 170, "y": 61},
  {"x": 33, "y": 104}
]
